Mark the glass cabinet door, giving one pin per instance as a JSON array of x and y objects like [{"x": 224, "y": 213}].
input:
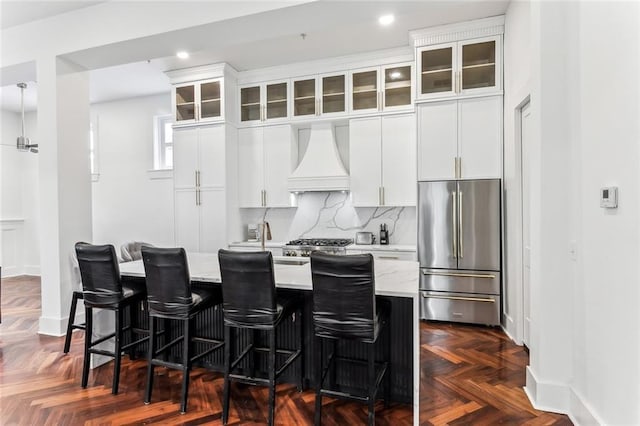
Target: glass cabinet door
[
  {"x": 250, "y": 103},
  {"x": 185, "y": 103},
  {"x": 333, "y": 94},
  {"x": 365, "y": 90},
  {"x": 479, "y": 65},
  {"x": 276, "y": 101},
  {"x": 210, "y": 100},
  {"x": 304, "y": 97},
  {"x": 436, "y": 70},
  {"x": 397, "y": 86}
]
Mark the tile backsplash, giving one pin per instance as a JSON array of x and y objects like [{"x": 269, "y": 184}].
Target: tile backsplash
[{"x": 331, "y": 215}]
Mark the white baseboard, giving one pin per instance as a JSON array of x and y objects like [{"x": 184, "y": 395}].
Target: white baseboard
[
  {"x": 53, "y": 326},
  {"x": 580, "y": 412},
  {"x": 509, "y": 328},
  {"x": 11, "y": 271},
  {"x": 33, "y": 270},
  {"x": 547, "y": 396}
]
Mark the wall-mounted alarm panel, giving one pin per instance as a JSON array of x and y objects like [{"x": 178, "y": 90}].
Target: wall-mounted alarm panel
[{"x": 609, "y": 197}]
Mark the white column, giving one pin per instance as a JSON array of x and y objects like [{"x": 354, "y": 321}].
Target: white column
[
  {"x": 553, "y": 102},
  {"x": 65, "y": 182}
]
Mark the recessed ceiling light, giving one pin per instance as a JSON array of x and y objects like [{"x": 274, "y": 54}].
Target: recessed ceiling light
[
  {"x": 182, "y": 54},
  {"x": 386, "y": 19},
  {"x": 395, "y": 75}
]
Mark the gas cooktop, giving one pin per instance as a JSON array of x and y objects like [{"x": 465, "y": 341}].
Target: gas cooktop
[{"x": 321, "y": 242}]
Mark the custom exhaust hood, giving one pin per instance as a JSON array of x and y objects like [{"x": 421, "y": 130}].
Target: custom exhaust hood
[{"x": 321, "y": 168}]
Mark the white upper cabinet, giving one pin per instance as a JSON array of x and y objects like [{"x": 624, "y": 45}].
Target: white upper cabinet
[
  {"x": 265, "y": 102},
  {"x": 383, "y": 88},
  {"x": 470, "y": 67},
  {"x": 323, "y": 95},
  {"x": 198, "y": 102},
  {"x": 460, "y": 139},
  {"x": 382, "y": 161},
  {"x": 264, "y": 165}
]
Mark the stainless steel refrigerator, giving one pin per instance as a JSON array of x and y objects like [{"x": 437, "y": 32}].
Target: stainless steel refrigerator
[{"x": 459, "y": 249}]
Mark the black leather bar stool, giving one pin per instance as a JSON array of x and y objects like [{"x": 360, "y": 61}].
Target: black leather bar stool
[
  {"x": 344, "y": 307},
  {"x": 170, "y": 296},
  {"x": 103, "y": 289},
  {"x": 251, "y": 302}
]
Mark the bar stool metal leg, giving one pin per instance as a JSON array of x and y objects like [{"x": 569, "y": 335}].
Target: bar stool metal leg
[
  {"x": 150, "y": 365},
  {"x": 317, "y": 349},
  {"x": 72, "y": 318},
  {"x": 88, "y": 312},
  {"x": 300, "y": 321},
  {"x": 117, "y": 350},
  {"x": 186, "y": 364},
  {"x": 227, "y": 369},
  {"x": 272, "y": 375},
  {"x": 371, "y": 366}
]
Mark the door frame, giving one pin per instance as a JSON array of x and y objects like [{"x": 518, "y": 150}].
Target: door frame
[{"x": 518, "y": 216}]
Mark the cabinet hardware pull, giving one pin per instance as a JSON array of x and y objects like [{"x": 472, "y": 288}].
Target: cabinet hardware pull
[
  {"x": 460, "y": 230},
  {"x": 453, "y": 226},
  {"x": 464, "y": 299},
  {"x": 462, "y": 275},
  {"x": 389, "y": 257},
  {"x": 380, "y": 195},
  {"x": 383, "y": 196}
]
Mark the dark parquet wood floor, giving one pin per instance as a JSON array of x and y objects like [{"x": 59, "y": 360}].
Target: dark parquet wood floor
[{"x": 469, "y": 375}]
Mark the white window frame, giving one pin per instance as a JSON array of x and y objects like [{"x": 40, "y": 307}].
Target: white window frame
[{"x": 159, "y": 143}]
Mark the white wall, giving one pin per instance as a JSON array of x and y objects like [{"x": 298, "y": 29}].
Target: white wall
[
  {"x": 19, "y": 238},
  {"x": 585, "y": 345},
  {"x": 127, "y": 203},
  {"x": 607, "y": 348}
]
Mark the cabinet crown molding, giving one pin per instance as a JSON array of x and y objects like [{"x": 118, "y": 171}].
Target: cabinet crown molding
[
  {"x": 203, "y": 72},
  {"x": 460, "y": 31}
]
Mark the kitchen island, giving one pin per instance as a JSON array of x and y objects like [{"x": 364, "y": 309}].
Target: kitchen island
[{"x": 396, "y": 281}]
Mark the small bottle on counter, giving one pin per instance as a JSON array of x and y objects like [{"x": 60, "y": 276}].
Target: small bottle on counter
[{"x": 384, "y": 234}]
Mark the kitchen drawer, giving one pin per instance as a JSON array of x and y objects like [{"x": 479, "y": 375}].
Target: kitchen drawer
[
  {"x": 460, "y": 307},
  {"x": 485, "y": 282},
  {"x": 387, "y": 255}
]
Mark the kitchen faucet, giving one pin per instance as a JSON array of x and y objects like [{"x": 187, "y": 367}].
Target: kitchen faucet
[{"x": 265, "y": 233}]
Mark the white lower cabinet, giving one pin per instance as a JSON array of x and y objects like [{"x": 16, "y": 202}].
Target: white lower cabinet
[
  {"x": 200, "y": 220},
  {"x": 264, "y": 165},
  {"x": 382, "y": 161},
  {"x": 460, "y": 139}
]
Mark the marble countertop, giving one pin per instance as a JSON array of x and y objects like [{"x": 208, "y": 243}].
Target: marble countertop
[
  {"x": 393, "y": 278},
  {"x": 257, "y": 244},
  {"x": 378, "y": 247}
]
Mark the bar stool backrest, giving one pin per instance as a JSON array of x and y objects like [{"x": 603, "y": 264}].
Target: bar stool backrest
[
  {"x": 248, "y": 288},
  {"x": 344, "y": 303},
  {"x": 100, "y": 273},
  {"x": 168, "y": 281}
]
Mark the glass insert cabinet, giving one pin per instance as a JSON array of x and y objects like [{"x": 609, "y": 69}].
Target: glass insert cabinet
[
  {"x": 322, "y": 95},
  {"x": 201, "y": 101},
  {"x": 264, "y": 102},
  {"x": 381, "y": 88},
  {"x": 459, "y": 68}
]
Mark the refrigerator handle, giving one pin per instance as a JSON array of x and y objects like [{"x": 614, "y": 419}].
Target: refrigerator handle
[
  {"x": 460, "y": 233},
  {"x": 454, "y": 226}
]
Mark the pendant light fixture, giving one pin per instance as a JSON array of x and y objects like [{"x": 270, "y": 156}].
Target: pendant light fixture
[{"x": 24, "y": 143}]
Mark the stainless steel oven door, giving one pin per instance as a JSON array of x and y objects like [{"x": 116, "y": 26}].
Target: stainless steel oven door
[{"x": 486, "y": 282}]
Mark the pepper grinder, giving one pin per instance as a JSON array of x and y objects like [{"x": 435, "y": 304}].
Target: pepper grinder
[{"x": 384, "y": 234}]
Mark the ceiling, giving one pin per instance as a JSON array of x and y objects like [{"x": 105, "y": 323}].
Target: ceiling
[{"x": 331, "y": 28}]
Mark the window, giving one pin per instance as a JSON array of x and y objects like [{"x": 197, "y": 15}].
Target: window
[
  {"x": 163, "y": 142},
  {"x": 93, "y": 149}
]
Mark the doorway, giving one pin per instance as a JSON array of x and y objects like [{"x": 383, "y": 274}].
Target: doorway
[{"x": 526, "y": 155}]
